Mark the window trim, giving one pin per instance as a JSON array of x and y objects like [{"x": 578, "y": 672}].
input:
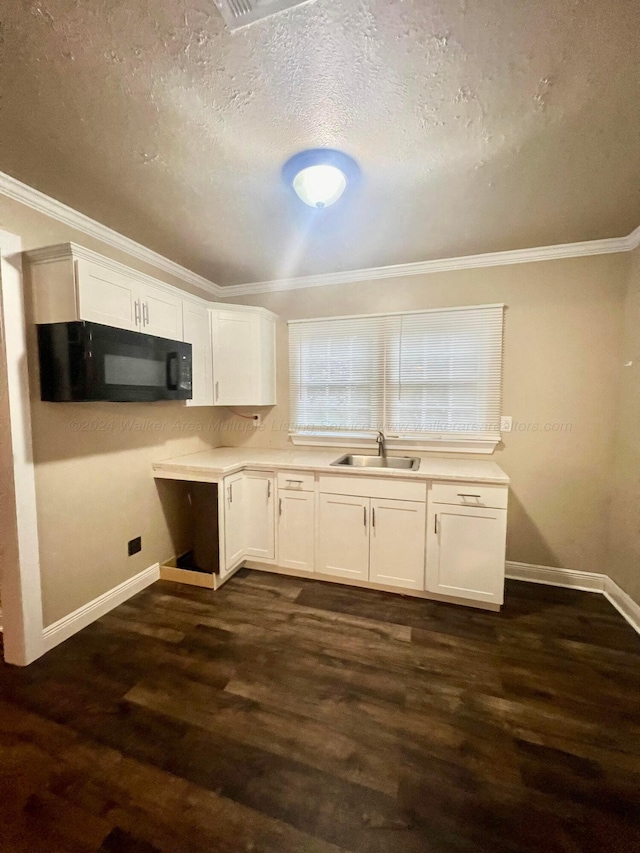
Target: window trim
[{"x": 431, "y": 442}]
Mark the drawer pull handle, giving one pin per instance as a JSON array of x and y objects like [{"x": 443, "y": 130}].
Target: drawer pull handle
[
  {"x": 295, "y": 481},
  {"x": 469, "y": 496}
]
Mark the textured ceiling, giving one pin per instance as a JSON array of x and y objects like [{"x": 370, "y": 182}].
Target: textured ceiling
[{"x": 479, "y": 126}]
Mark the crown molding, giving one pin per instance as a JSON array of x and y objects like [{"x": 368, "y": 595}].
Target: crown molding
[
  {"x": 16, "y": 190},
  {"x": 608, "y": 246}
]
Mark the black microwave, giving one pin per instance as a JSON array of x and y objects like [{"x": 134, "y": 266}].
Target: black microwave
[{"x": 82, "y": 362}]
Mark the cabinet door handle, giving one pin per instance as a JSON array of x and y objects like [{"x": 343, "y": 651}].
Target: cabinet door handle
[
  {"x": 136, "y": 308},
  {"x": 217, "y": 390},
  {"x": 365, "y": 516},
  {"x": 230, "y": 493},
  {"x": 268, "y": 489},
  {"x": 280, "y": 506},
  {"x": 435, "y": 524},
  {"x": 145, "y": 318},
  {"x": 373, "y": 516}
]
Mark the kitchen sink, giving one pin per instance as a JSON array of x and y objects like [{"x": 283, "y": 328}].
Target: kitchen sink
[{"x": 407, "y": 463}]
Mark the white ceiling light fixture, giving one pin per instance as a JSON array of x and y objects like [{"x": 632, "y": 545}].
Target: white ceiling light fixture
[
  {"x": 241, "y": 13},
  {"x": 320, "y": 176}
]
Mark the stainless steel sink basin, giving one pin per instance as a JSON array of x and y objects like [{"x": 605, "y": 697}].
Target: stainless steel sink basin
[{"x": 408, "y": 463}]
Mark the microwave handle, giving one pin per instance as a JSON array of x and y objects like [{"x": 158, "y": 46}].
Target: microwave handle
[{"x": 172, "y": 371}]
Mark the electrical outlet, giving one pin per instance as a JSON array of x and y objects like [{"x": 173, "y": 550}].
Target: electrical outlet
[
  {"x": 506, "y": 423},
  {"x": 134, "y": 546}
]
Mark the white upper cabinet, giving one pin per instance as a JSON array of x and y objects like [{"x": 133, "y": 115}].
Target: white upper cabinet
[
  {"x": 233, "y": 346},
  {"x": 70, "y": 283},
  {"x": 195, "y": 319},
  {"x": 243, "y": 357},
  {"x": 161, "y": 312},
  {"x": 106, "y": 296}
]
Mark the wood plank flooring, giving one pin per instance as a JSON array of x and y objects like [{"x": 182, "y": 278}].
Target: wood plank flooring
[{"x": 291, "y": 716}]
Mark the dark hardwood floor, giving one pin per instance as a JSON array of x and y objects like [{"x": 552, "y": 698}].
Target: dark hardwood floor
[{"x": 299, "y": 717}]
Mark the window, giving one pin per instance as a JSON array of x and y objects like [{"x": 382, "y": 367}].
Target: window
[{"x": 426, "y": 379}]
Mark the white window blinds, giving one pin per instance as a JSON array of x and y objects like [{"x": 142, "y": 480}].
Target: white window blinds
[
  {"x": 422, "y": 374},
  {"x": 337, "y": 375}
]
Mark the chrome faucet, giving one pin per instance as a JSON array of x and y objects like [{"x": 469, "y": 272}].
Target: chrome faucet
[{"x": 382, "y": 449}]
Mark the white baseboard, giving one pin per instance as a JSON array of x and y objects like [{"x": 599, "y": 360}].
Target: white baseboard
[
  {"x": 623, "y": 603},
  {"x": 569, "y": 578},
  {"x": 586, "y": 581},
  {"x": 69, "y": 625}
]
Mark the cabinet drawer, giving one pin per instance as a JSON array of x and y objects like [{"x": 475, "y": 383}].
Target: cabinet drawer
[
  {"x": 470, "y": 494},
  {"x": 294, "y": 480},
  {"x": 374, "y": 487}
]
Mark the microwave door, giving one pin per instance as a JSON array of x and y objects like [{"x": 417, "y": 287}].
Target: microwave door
[{"x": 136, "y": 367}]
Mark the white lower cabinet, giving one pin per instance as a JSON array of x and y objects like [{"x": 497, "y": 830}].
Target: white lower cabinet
[
  {"x": 235, "y": 522},
  {"x": 454, "y": 549},
  {"x": 397, "y": 543},
  {"x": 466, "y": 552},
  {"x": 259, "y": 503},
  {"x": 249, "y": 518},
  {"x": 343, "y": 536},
  {"x": 296, "y": 530},
  {"x": 372, "y": 540}
]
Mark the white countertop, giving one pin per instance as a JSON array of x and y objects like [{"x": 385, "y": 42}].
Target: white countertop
[{"x": 211, "y": 465}]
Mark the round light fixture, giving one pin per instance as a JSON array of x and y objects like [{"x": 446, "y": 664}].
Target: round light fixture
[{"x": 320, "y": 176}]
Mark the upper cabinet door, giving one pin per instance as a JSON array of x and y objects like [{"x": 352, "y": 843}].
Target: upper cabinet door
[
  {"x": 397, "y": 554},
  {"x": 161, "y": 313},
  {"x": 235, "y": 338},
  {"x": 106, "y": 296},
  {"x": 466, "y": 552},
  {"x": 198, "y": 333}
]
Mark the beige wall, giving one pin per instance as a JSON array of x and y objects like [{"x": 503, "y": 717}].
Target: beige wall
[
  {"x": 562, "y": 350},
  {"x": 624, "y": 542},
  {"x": 95, "y": 489}
]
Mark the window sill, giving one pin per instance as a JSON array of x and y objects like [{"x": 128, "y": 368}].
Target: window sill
[{"x": 484, "y": 446}]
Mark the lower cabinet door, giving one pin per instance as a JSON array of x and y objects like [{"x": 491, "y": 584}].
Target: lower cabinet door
[
  {"x": 259, "y": 505},
  {"x": 397, "y": 551},
  {"x": 343, "y": 536},
  {"x": 466, "y": 552},
  {"x": 235, "y": 537},
  {"x": 296, "y": 530}
]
